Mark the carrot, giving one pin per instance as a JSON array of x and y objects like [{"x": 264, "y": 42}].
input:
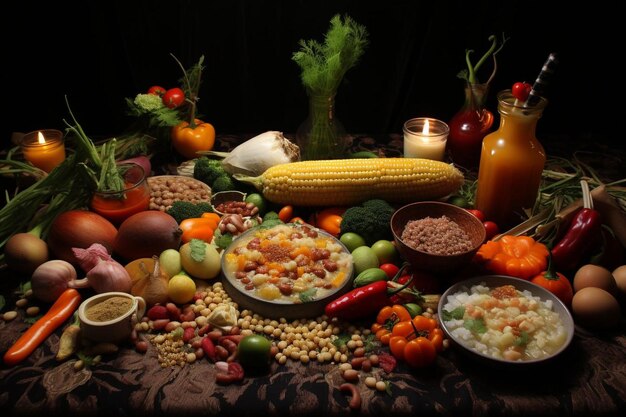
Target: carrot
[{"x": 61, "y": 310}]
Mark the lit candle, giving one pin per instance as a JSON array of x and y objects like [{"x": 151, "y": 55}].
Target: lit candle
[
  {"x": 44, "y": 148},
  {"x": 426, "y": 138}
]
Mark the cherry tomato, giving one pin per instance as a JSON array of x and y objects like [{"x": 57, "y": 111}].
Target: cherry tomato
[
  {"x": 521, "y": 90},
  {"x": 491, "y": 229},
  {"x": 157, "y": 90},
  {"x": 390, "y": 269},
  {"x": 173, "y": 97},
  {"x": 477, "y": 213}
]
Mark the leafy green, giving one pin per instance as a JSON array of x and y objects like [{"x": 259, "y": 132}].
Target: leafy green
[
  {"x": 151, "y": 108},
  {"x": 198, "y": 249},
  {"x": 222, "y": 240},
  {"x": 341, "y": 340},
  {"x": 522, "y": 340},
  {"x": 456, "y": 314},
  {"x": 324, "y": 64},
  {"x": 308, "y": 295},
  {"x": 475, "y": 325}
]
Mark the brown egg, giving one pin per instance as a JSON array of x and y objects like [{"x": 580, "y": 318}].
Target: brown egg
[
  {"x": 595, "y": 308},
  {"x": 619, "y": 274},
  {"x": 594, "y": 276}
]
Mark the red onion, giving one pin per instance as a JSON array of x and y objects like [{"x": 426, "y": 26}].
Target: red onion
[{"x": 142, "y": 161}]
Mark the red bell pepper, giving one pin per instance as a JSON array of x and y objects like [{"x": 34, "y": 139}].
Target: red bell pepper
[{"x": 583, "y": 233}]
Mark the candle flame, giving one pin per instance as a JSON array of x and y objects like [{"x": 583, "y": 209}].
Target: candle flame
[
  {"x": 426, "y": 128},
  {"x": 41, "y": 138}
]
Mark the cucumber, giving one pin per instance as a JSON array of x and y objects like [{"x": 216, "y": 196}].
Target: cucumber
[
  {"x": 369, "y": 276},
  {"x": 363, "y": 154}
]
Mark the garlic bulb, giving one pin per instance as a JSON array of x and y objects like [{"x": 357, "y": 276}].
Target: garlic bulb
[{"x": 259, "y": 153}]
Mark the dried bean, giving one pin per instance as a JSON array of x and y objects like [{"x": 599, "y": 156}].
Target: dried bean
[
  {"x": 351, "y": 375},
  {"x": 355, "y": 401}
]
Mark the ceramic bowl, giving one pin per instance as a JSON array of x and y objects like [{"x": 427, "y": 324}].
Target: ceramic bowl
[
  {"x": 429, "y": 261},
  {"x": 103, "y": 323},
  {"x": 493, "y": 281},
  {"x": 286, "y": 307}
]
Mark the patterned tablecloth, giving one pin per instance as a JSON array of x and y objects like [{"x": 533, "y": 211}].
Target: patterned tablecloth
[{"x": 589, "y": 378}]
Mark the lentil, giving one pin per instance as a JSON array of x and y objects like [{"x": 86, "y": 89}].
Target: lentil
[{"x": 440, "y": 236}]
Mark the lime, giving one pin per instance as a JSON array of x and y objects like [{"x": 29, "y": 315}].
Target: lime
[
  {"x": 385, "y": 251},
  {"x": 258, "y": 200},
  {"x": 181, "y": 289},
  {"x": 254, "y": 351},
  {"x": 352, "y": 240},
  {"x": 364, "y": 258}
]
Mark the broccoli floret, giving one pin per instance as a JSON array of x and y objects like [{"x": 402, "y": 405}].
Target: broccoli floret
[
  {"x": 223, "y": 183},
  {"x": 182, "y": 210},
  {"x": 208, "y": 170},
  {"x": 371, "y": 221}
]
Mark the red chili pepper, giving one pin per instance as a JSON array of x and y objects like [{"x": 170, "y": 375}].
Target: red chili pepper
[
  {"x": 582, "y": 235},
  {"x": 363, "y": 301}
]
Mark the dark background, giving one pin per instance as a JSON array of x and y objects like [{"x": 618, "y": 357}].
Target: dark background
[{"x": 99, "y": 52}]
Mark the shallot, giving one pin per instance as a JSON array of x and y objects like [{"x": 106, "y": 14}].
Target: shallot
[
  {"x": 106, "y": 276},
  {"x": 51, "y": 278}
]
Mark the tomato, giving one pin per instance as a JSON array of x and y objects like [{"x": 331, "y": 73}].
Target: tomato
[
  {"x": 491, "y": 228},
  {"x": 156, "y": 90},
  {"x": 285, "y": 213},
  {"x": 254, "y": 351},
  {"x": 352, "y": 241},
  {"x": 479, "y": 214},
  {"x": 187, "y": 140},
  {"x": 173, "y": 97},
  {"x": 521, "y": 90},
  {"x": 390, "y": 269}
]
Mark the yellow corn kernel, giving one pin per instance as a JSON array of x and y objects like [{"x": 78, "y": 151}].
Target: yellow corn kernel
[{"x": 352, "y": 181}]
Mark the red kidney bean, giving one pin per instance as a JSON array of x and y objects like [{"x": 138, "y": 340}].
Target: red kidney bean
[
  {"x": 188, "y": 334},
  {"x": 221, "y": 352},
  {"x": 355, "y": 401},
  {"x": 160, "y": 324},
  {"x": 209, "y": 348},
  {"x": 234, "y": 374}
]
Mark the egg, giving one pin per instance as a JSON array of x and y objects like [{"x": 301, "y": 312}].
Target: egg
[
  {"x": 591, "y": 275},
  {"x": 620, "y": 280},
  {"x": 595, "y": 308}
]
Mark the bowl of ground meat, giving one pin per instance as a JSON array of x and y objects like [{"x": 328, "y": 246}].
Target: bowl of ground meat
[{"x": 436, "y": 237}]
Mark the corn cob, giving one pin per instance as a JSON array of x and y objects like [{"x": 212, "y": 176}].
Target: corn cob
[{"x": 345, "y": 182}]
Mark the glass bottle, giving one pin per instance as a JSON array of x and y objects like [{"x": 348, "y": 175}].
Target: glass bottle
[
  {"x": 321, "y": 135},
  {"x": 469, "y": 126},
  {"x": 511, "y": 163}
]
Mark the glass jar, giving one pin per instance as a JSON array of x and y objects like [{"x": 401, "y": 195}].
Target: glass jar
[
  {"x": 511, "y": 163},
  {"x": 117, "y": 206},
  {"x": 469, "y": 126},
  {"x": 321, "y": 135}
]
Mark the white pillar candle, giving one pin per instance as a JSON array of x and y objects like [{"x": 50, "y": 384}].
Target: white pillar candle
[{"x": 425, "y": 137}]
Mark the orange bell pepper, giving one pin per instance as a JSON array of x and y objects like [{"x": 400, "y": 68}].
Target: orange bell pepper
[
  {"x": 328, "y": 219},
  {"x": 517, "y": 256},
  {"x": 188, "y": 139},
  {"x": 388, "y": 317},
  {"x": 197, "y": 228}
]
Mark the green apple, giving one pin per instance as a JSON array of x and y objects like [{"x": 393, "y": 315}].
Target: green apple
[
  {"x": 385, "y": 251},
  {"x": 169, "y": 261},
  {"x": 364, "y": 258}
]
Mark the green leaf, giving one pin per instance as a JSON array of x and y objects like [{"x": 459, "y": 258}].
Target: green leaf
[
  {"x": 522, "y": 340},
  {"x": 475, "y": 325},
  {"x": 341, "y": 340},
  {"x": 32, "y": 320},
  {"x": 222, "y": 240},
  {"x": 456, "y": 314},
  {"x": 198, "y": 249},
  {"x": 308, "y": 295}
]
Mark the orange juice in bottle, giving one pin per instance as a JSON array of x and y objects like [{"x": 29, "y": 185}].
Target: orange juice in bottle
[{"x": 511, "y": 163}]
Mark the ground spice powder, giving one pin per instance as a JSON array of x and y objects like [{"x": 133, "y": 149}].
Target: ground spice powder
[{"x": 109, "y": 309}]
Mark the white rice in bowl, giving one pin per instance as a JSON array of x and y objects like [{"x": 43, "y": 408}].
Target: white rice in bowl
[{"x": 504, "y": 323}]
